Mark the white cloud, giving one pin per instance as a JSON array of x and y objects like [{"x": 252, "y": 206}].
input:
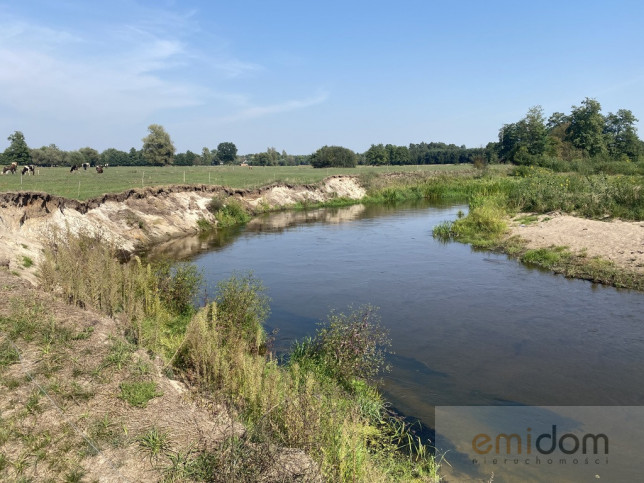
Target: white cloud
[{"x": 111, "y": 78}]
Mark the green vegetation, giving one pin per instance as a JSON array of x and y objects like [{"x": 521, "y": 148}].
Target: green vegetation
[
  {"x": 334, "y": 157},
  {"x": 18, "y": 151},
  {"x": 321, "y": 400},
  {"x": 138, "y": 393},
  {"x": 495, "y": 199},
  {"x": 158, "y": 149},
  {"x": 228, "y": 212},
  {"x": 88, "y": 184},
  {"x": 583, "y": 134}
]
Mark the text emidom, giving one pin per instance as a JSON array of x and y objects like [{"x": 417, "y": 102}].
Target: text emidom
[{"x": 545, "y": 443}]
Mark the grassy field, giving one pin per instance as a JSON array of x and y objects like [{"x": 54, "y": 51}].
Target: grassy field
[{"x": 88, "y": 184}]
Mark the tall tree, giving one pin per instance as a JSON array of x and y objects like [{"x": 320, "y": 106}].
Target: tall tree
[
  {"x": 227, "y": 152},
  {"x": 376, "y": 155},
  {"x": 621, "y": 134},
  {"x": 18, "y": 151},
  {"x": 158, "y": 149},
  {"x": 586, "y": 130},
  {"x": 114, "y": 157},
  {"x": 521, "y": 141},
  {"x": 90, "y": 154}
]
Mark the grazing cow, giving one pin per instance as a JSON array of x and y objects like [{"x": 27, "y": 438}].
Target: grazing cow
[
  {"x": 28, "y": 169},
  {"x": 99, "y": 169},
  {"x": 85, "y": 166},
  {"x": 74, "y": 168},
  {"x": 13, "y": 167}
]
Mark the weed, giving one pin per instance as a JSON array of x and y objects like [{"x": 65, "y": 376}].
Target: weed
[
  {"x": 119, "y": 355},
  {"x": 204, "y": 225},
  {"x": 347, "y": 346},
  {"x": 138, "y": 393},
  {"x": 154, "y": 442},
  {"x": 75, "y": 475},
  {"x": 8, "y": 354},
  {"x": 27, "y": 262}
]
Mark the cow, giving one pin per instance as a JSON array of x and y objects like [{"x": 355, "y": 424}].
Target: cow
[
  {"x": 28, "y": 169},
  {"x": 74, "y": 168},
  {"x": 99, "y": 169},
  {"x": 85, "y": 166},
  {"x": 13, "y": 167}
]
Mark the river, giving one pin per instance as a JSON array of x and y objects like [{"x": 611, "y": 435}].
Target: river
[{"x": 469, "y": 328}]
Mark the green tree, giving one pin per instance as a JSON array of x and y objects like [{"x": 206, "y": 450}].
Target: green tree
[
  {"x": 621, "y": 134},
  {"x": 520, "y": 142},
  {"x": 18, "y": 151},
  {"x": 48, "y": 156},
  {"x": 90, "y": 155},
  {"x": 186, "y": 159},
  {"x": 586, "y": 129},
  {"x": 74, "y": 157},
  {"x": 398, "y": 155},
  {"x": 136, "y": 158},
  {"x": 334, "y": 156},
  {"x": 158, "y": 149},
  {"x": 376, "y": 155},
  {"x": 227, "y": 152},
  {"x": 207, "y": 157},
  {"x": 114, "y": 157}
]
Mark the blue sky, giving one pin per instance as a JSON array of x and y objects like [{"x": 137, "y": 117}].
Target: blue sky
[{"x": 298, "y": 75}]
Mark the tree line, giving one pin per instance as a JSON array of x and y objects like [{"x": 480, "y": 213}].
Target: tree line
[
  {"x": 584, "y": 133},
  {"x": 157, "y": 150}
]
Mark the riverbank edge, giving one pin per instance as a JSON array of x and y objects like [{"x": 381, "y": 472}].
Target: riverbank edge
[{"x": 60, "y": 204}]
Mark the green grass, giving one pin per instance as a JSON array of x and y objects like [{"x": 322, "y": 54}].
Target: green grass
[
  {"x": 84, "y": 185},
  {"x": 139, "y": 393}
]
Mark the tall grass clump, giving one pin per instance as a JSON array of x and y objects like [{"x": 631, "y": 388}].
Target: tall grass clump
[
  {"x": 320, "y": 401},
  {"x": 83, "y": 268},
  {"x": 483, "y": 226},
  {"x": 228, "y": 211},
  {"x": 594, "y": 196}
]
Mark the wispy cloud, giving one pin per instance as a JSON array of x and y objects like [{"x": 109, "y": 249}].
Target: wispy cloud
[
  {"x": 254, "y": 112},
  {"x": 123, "y": 72}
]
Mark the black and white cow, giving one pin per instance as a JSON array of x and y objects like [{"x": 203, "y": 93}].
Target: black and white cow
[
  {"x": 30, "y": 168},
  {"x": 85, "y": 166},
  {"x": 73, "y": 168}
]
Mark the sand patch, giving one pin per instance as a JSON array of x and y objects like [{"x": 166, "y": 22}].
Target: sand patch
[{"x": 619, "y": 241}]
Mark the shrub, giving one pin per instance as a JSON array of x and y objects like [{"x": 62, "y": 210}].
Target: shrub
[
  {"x": 228, "y": 212},
  {"x": 347, "y": 346}
]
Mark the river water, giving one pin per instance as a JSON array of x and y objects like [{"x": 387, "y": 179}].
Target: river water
[{"x": 469, "y": 328}]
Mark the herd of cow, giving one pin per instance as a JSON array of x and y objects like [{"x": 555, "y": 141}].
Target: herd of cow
[{"x": 13, "y": 167}]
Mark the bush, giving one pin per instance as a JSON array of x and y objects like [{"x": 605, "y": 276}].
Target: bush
[
  {"x": 347, "y": 346},
  {"x": 228, "y": 212}
]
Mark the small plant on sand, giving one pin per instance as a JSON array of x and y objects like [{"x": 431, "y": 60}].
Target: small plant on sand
[{"x": 154, "y": 442}]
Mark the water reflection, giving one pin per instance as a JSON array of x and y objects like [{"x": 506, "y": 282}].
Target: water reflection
[{"x": 182, "y": 248}]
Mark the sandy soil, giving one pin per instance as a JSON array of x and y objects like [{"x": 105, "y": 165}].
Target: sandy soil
[
  {"x": 139, "y": 217},
  {"x": 619, "y": 241}
]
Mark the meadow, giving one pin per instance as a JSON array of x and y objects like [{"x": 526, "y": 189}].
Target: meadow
[{"x": 83, "y": 185}]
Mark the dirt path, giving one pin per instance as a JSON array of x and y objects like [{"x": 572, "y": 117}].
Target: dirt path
[{"x": 619, "y": 241}]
